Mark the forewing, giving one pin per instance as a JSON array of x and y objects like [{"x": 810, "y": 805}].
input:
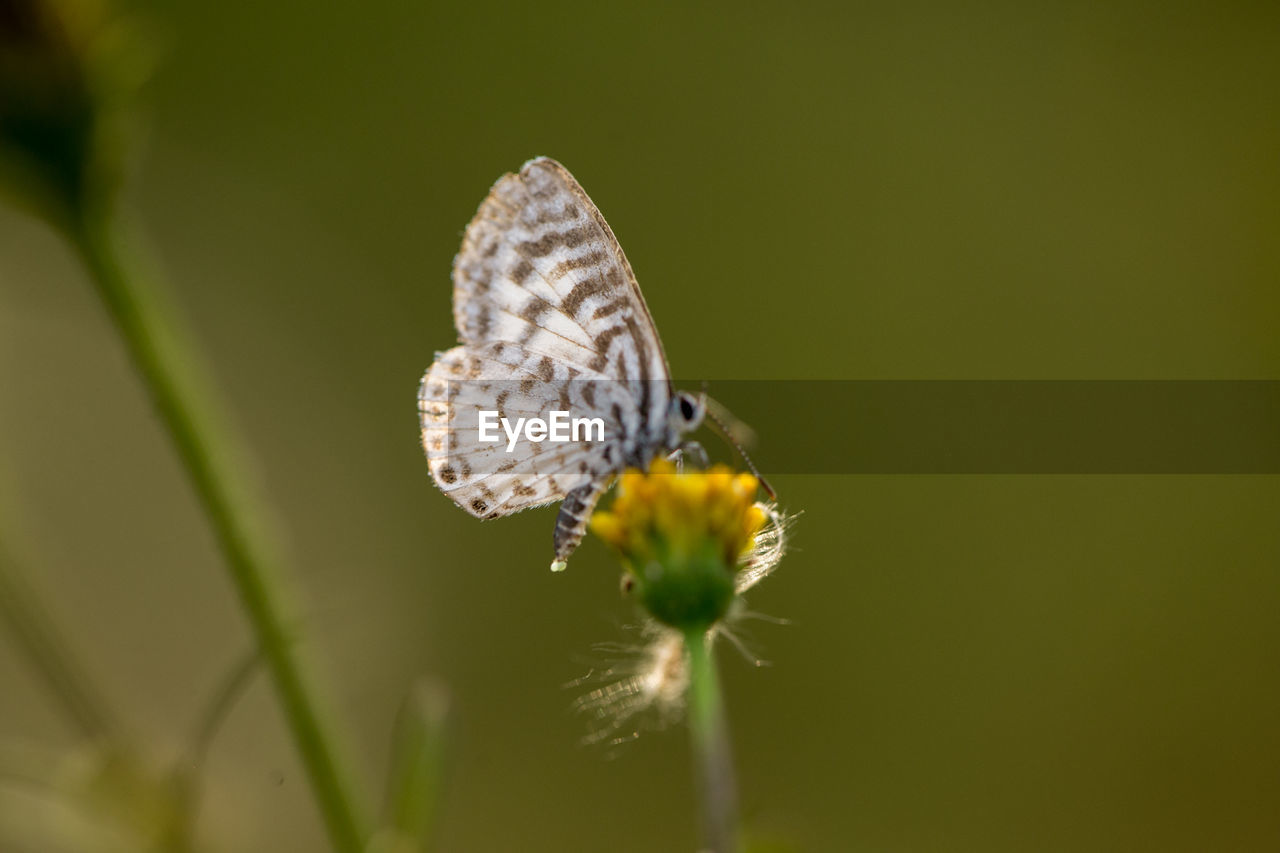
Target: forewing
[
  {"x": 485, "y": 478},
  {"x": 540, "y": 267}
]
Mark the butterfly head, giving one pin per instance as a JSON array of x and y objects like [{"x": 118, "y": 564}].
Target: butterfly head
[{"x": 684, "y": 416}]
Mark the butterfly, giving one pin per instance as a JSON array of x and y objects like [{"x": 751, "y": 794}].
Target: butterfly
[{"x": 550, "y": 317}]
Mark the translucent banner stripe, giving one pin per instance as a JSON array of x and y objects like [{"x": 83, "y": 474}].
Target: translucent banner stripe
[
  {"x": 899, "y": 427},
  {"x": 1010, "y": 427}
]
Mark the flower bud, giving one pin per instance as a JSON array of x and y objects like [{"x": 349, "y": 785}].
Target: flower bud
[{"x": 66, "y": 70}]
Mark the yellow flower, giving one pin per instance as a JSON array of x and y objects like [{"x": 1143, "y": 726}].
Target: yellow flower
[{"x": 683, "y": 538}]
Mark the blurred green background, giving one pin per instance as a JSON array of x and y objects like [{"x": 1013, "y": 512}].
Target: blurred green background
[{"x": 895, "y": 190}]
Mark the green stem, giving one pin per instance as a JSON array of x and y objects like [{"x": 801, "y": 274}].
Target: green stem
[
  {"x": 207, "y": 453},
  {"x": 713, "y": 758},
  {"x": 418, "y": 758},
  {"x": 37, "y": 634}
]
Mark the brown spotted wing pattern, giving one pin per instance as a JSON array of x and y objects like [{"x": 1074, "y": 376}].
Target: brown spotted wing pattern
[{"x": 550, "y": 317}]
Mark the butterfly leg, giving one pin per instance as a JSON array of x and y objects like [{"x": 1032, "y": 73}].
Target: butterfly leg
[
  {"x": 571, "y": 523},
  {"x": 694, "y": 452}
]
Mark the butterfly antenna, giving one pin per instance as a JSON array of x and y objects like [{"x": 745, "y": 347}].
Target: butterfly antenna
[{"x": 715, "y": 412}]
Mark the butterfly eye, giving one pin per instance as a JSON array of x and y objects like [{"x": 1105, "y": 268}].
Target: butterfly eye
[{"x": 687, "y": 410}]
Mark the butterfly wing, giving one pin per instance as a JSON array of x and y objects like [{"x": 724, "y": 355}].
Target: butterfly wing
[
  {"x": 540, "y": 267},
  {"x": 550, "y": 317},
  {"x": 494, "y": 478}
]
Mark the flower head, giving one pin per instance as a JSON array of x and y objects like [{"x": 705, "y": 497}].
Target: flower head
[
  {"x": 692, "y": 544},
  {"x": 684, "y": 537}
]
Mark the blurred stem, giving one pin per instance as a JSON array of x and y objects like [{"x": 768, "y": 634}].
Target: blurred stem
[
  {"x": 207, "y": 453},
  {"x": 39, "y": 638},
  {"x": 418, "y": 757},
  {"x": 712, "y": 756},
  {"x": 187, "y": 776},
  {"x": 233, "y": 686}
]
